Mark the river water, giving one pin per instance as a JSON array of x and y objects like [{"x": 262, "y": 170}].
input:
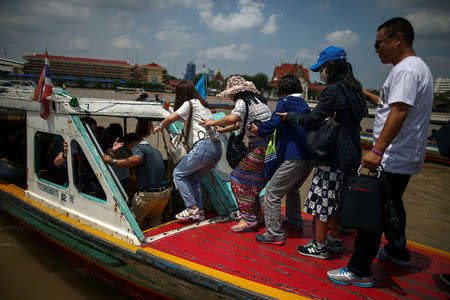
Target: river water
[{"x": 30, "y": 269}]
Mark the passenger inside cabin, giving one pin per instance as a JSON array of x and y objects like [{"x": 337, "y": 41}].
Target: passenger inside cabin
[
  {"x": 13, "y": 154},
  {"x": 114, "y": 134},
  {"x": 60, "y": 161},
  {"x": 92, "y": 124},
  {"x": 154, "y": 189},
  {"x": 100, "y": 133},
  {"x": 14, "y": 150}
]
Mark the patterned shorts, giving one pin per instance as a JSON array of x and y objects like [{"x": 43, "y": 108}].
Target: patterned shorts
[{"x": 323, "y": 193}]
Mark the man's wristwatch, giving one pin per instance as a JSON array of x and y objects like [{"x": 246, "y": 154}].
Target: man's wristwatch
[{"x": 114, "y": 162}]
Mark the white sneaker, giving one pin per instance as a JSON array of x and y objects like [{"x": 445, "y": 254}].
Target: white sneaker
[
  {"x": 191, "y": 214},
  {"x": 345, "y": 277}
]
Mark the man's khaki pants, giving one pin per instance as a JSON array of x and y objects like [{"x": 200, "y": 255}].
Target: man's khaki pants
[{"x": 149, "y": 206}]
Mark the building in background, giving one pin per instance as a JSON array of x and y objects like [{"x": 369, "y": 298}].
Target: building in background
[
  {"x": 219, "y": 77},
  {"x": 190, "y": 71},
  {"x": 441, "y": 85},
  {"x": 152, "y": 73},
  {"x": 91, "y": 68},
  {"x": 301, "y": 73},
  {"x": 10, "y": 66},
  {"x": 93, "y": 72}
]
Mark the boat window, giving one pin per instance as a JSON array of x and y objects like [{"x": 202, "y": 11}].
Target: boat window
[
  {"x": 84, "y": 176},
  {"x": 50, "y": 164}
]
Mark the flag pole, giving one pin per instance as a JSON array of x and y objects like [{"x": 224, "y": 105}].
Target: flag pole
[{"x": 206, "y": 82}]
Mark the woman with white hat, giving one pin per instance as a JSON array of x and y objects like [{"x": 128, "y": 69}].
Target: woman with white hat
[{"x": 248, "y": 178}]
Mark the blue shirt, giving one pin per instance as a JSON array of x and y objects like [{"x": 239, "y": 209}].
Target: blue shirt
[{"x": 290, "y": 139}]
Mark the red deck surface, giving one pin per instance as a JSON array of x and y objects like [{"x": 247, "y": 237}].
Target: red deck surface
[{"x": 239, "y": 254}]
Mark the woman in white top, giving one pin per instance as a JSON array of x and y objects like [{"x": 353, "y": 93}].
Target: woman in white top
[
  {"x": 248, "y": 178},
  {"x": 205, "y": 154}
]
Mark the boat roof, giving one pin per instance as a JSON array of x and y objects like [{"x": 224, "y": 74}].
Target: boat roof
[{"x": 21, "y": 101}]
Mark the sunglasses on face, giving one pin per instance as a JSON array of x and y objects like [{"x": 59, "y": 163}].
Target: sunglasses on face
[{"x": 378, "y": 43}]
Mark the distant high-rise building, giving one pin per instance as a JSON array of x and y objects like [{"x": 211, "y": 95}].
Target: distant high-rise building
[{"x": 190, "y": 71}]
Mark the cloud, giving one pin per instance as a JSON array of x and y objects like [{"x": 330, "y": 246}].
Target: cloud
[
  {"x": 78, "y": 44},
  {"x": 123, "y": 20},
  {"x": 343, "y": 38},
  {"x": 120, "y": 5},
  {"x": 271, "y": 26},
  {"x": 430, "y": 23},
  {"x": 125, "y": 42},
  {"x": 171, "y": 54},
  {"x": 412, "y": 5},
  {"x": 196, "y": 4},
  {"x": 60, "y": 9},
  {"x": 249, "y": 16},
  {"x": 230, "y": 52},
  {"x": 305, "y": 56},
  {"x": 177, "y": 35}
]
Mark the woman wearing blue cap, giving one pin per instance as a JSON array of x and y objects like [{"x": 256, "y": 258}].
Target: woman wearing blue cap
[{"x": 343, "y": 99}]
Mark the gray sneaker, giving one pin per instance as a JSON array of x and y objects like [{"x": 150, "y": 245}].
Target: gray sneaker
[
  {"x": 345, "y": 277},
  {"x": 335, "y": 246},
  {"x": 311, "y": 249}
]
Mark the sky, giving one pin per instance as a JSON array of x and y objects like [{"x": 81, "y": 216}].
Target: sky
[{"x": 234, "y": 36}]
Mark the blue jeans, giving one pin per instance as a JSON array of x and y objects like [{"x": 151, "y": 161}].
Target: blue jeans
[{"x": 188, "y": 174}]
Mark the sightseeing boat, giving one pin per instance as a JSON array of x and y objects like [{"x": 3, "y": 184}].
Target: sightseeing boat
[{"x": 96, "y": 231}]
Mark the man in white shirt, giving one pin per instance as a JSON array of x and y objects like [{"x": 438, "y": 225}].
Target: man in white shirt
[{"x": 400, "y": 138}]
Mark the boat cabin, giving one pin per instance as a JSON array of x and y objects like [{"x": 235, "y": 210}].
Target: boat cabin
[{"x": 83, "y": 188}]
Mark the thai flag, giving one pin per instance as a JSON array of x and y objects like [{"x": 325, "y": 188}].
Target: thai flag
[{"x": 44, "y": 89}]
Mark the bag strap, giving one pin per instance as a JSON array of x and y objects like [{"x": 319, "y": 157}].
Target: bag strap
[
  {"x": 241, "y": 135},
  {"x": 188, "y": 127}
]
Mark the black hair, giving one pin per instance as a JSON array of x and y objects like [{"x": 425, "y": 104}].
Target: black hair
[
  {"x": 249, "y": 97},
  {"x": 131, "y": 137},
  {"x": 289, "y": 84},
  {"x": 89, "y": 121},
  {"x": 342, "y": 71},
  {"x": 396, "y": 25}
]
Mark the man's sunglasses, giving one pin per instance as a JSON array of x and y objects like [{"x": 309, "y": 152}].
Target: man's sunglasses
[{"x": 378, "y": 43}]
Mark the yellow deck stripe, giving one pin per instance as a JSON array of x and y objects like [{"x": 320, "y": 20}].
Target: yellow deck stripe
[{"x": 435, "y": 251}]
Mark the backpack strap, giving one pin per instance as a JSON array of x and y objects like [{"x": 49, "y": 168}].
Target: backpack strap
[{"x": 188, "y": 127}]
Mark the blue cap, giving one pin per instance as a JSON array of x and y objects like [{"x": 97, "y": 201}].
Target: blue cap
[{"x": 327, "y": 54}]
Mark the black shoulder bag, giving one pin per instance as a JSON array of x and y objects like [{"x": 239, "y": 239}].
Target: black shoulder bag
[
  {"x": 319, "y": 138},
  {"x": 236, "y": 149}
]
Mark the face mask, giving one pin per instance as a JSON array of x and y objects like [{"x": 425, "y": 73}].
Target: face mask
[{"x": 323, "y": 76}]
